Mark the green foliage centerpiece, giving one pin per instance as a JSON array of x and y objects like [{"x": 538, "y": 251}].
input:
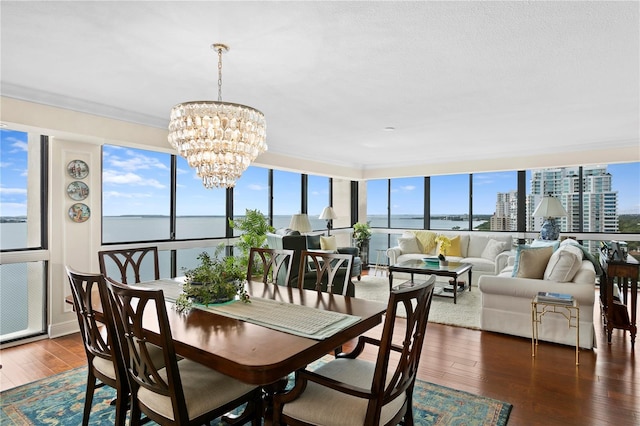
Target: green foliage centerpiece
[{"x": 215, "y": 280}]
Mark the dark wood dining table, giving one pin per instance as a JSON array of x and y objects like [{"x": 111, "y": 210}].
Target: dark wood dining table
[{"x": 253, "y": 353}]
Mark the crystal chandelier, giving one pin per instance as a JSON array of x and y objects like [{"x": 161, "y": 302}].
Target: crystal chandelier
[{"x": 218, "y": 139}]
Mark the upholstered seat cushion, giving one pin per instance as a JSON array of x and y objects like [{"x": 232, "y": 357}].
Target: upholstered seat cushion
[
  {"x": 204, "y": 390},
  {"x": 321, "y": 405}
]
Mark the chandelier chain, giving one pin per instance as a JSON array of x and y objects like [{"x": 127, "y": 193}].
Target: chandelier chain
[{"x": 219, "y": 74}]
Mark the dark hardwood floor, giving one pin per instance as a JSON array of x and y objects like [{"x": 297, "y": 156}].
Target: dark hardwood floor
[{"x": 546, "y": 390}]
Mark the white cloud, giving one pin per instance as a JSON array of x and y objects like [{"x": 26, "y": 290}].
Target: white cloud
[
  {"x": 111, "y": 176},
  {"x": 6, "y": 191},
  {"x": 408, "y": 187},
  {"x": 135, "y": 161},
  {"x": 19, "y": 146},
  {"x": 130, "y": 195},
  {"x": 256, "y": 187}
]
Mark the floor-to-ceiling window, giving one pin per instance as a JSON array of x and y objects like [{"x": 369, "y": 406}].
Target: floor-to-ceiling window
[
  {"x": 22, "y": 231},
  {"x": 287, "y": 187},
  {"x": 450, "y": 202},
  {"x": 407, "y": 203},
  {"x": 136, "y": 192},
  {"x": 317, "y": 200}
]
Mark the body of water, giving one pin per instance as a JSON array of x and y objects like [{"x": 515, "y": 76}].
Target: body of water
[{"x": 13, "y": 235}]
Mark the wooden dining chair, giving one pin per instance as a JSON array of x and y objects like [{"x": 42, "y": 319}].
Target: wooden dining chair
[
  {"x": 130, "y": 266},
  {"x": 350, "y": 391},
  {"x": 272, "y": 265},
  {"x": 330, "y": 271},
  {"x": 104, "y": 361},
  {"x": 184, "y": 392}
]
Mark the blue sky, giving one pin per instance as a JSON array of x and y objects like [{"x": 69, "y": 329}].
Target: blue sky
[{"x": 137, "y": 182}]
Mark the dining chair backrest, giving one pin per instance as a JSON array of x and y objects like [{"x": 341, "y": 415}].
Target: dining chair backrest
[
  {"x": 390, "y": 383},
  {"x": 328, "y": 268},
  {"x": 129, "y": 305},
  {"x": 130, "y": 266},
  {"x": 271, "y": 265},
  {"x": 104, "y": 360}
]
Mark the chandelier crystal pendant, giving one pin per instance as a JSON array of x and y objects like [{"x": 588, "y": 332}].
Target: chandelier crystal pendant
[{"x": 218, "y": 139}]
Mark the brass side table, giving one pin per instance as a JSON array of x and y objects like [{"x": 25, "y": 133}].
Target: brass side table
[{"x": 539, "y": 308}]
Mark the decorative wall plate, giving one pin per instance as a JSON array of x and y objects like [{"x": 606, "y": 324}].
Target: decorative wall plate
[
  {"x": 79, "y": 212},
  {"x": 78, "y": 169},
  {"x": 77, "y": 190}
]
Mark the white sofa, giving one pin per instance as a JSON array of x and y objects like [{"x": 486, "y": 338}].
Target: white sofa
[
  {"x": 506, "y": 300},
  {"x": 472, "y": 246}
]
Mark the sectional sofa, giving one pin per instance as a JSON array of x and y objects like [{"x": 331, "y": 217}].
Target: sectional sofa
[{"x": 487, "y": 252}]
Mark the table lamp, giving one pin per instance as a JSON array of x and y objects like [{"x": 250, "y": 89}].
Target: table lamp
[
  {"x": 300, "y": 222},
  {"x": 328, "y": 214},
  {"x": 549, "y": 208}
]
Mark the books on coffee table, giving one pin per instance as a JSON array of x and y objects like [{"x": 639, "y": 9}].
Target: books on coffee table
[{"x": 544, "y": 296}]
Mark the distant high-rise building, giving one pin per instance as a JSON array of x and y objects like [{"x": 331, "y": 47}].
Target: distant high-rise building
[
  {"x": 597, "y": 211},
  {"x": 506, "y": 215}
]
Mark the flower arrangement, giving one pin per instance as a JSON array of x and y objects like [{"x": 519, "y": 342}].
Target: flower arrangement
[
  {"x": 444, "y": 244},
  {"x": 214, "y": 280}
]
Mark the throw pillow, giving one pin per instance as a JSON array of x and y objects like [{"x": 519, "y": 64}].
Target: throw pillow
[
  {"x": 426, "y": 241},
  {"x": 313, "y": 242},
  {"x": 531, "y": 262},
  {"x": 492, "y": 250},
  {"x": 408, "y": 245},
  {"x": 455, "y": 249},
  {"x": 564, "y": 264},
  {"x": 328, "y": 243}
]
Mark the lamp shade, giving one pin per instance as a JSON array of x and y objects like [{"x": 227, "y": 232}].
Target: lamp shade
[
  {"x": 300, "y": 222},
  {"x": 549, "y": 207},
  {"x": 328, "y": 214}
]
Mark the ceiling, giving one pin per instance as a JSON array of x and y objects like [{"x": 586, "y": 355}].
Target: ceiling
[{"x": 454, "y": 80}]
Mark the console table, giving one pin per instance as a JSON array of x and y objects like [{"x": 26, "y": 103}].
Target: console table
[{"x": 624, "y": 274}]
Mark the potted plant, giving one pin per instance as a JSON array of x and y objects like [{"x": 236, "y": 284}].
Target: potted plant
[
  {"x": 361, "y": 237},
  {"x": 215, "y": 280},
  {"x": 254, "y": 227}
]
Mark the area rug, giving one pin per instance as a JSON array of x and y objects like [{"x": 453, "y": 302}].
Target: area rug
[
  {"x": 465, "y": 313},
  {"x": 59, "y": 400}
]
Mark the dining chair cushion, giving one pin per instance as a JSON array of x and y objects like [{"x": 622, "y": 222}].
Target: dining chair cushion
[
  {"x": 322, "y": 405},
  {"x": 204, "y": 390},
  {"x": 105, "y": 366}
]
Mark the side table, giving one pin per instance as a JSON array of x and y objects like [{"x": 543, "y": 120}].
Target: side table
[
  {"x": 380, "y": 255},
  {"x": 624, "y": 274},
  {"x": 540, "y": 308}
]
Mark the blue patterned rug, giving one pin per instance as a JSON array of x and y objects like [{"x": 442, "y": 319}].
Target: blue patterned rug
[{"x": 59, "y": 400}]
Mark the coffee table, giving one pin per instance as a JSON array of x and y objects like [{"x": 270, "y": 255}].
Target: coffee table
[{"x": 452, "y": 269}]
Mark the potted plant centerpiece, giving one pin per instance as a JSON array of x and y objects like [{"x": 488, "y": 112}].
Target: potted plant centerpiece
[
  {"x": 215, "y": 280},
  {"x": 361, "y": 237}
]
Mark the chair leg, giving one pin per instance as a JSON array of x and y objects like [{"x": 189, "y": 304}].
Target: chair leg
[
  {"x": 121, "y": 408},
  {"x": 88, "y": 398}
]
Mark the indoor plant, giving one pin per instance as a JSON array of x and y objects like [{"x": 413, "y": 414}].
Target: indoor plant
[
  {"x": 254, "y": 227},
  {"x": 361, "y": 237},
  {"x": 216, "y": 279}
]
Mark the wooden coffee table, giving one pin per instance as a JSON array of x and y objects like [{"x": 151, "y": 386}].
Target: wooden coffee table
[{"x": 452, "y": 270}]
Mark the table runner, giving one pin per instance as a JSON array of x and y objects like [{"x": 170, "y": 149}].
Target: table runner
[
  {"x": 282, "y": 316},
  {"x": 288, "y": 317}
]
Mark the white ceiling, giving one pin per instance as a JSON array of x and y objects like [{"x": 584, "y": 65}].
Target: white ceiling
[{"x": 457, "y": 80}]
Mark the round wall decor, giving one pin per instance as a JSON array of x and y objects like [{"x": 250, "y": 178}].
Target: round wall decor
[
  {"x": 77, "y": 169},
  {"x": 77, "y": 190},
  {"x": 79, "y": 212}
]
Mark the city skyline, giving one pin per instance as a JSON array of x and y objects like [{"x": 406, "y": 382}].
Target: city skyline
[{"x": 137, "y": 181}]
